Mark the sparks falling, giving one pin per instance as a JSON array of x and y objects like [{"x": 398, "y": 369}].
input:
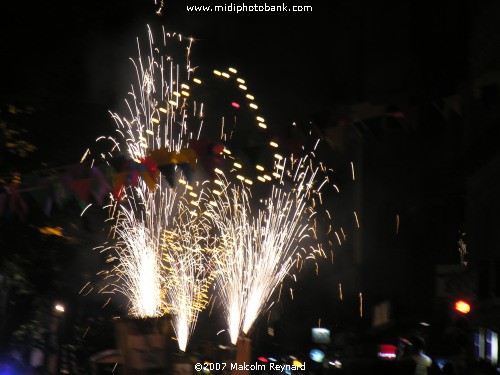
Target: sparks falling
[
  {"x": 138, "y": 251},
  {"x": 259, "y": 248},
  {"x": 187, "y": 270},
  {"x": 159, "y": 257}
]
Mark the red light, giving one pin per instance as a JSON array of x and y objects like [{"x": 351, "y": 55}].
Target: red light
[
  {"x": 262, "y": 359},
  {"x": 462, "y": 307},
  {"x": 218, "y": 148},
  {"x": 387, "y": 352},
  {"x": 235, "y": 105}
]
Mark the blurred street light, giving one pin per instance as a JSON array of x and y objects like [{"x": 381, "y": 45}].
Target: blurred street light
[{"x": 59, "y": 308}]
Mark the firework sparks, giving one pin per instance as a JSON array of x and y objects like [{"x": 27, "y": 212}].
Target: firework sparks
[
  {"x": 258, "y": 249},
  {"x": 158, "y": 114},
  {"x": 159, "y": 258},
  {"x": 138, "y": 250},
  {"x": 187, "y": 269}
]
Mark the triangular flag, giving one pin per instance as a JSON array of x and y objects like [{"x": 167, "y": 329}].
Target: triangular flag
[
  {"x": 82, "y": 187},
  {"x": 150, "y": 182},
  {"x": 149, "y": 172},
  {"x": 118, "y": 184},
  {"x": 162, "y": 156},
  {"x": 16, "y": 203},
  {"x": 168, "y": 171},
  {"x": 59, "y": 193},
  {"x": 41, "y": 195},
  {"x": 100, "y": 186},
  {"x": 190, "y": 157},
  {"x": 119, "y": 163},
  {"x": 186, "y": 170}
]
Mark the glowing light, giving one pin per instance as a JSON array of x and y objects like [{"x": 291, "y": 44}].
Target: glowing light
[
  {"x": 273, "y": 144},
  {"x": 57, "y": 231},
  {"x": 235, "y": 105},
  {"x": 243, "y": 87},
  {"x": 260, "y": 119},
  {"x": 238, "y": 165},
  {"x": 217, "y": 73},
  {"x": 248, "y": 96},
  {"x": 260, "y": 178},
  {"x": 356, "y": 218},
  {"x": 196, "y": 80},
  {"x": 253, "y": 106},
  {"x": 59, "y": 308},
  {"x": 361, "y": 305},
  {"x": 278, "y": 156},
  {"x": 240, "y": 80},
  {"x": 225, "y": 75},
  {"x": 259, "y": 167},
  {"x": 232, "y": 70},
  {"x": 262, "y": 125},
  {"x": 462, "y": 307}
]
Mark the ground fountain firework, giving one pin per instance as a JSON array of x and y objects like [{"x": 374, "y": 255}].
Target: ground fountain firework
[
  {"x": 160, "y": 264},
  {"x": 260, "y": 241}
]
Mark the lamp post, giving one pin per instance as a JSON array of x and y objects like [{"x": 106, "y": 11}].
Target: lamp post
[{"x": 53, "y": 359}]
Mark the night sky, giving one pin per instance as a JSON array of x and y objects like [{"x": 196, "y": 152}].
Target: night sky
[
  {"x": 70, "y": 59},
  {"x": 298, "y": 64}
]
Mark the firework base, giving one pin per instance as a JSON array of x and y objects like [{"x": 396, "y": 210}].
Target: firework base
[
  {"x": 243, "y": 354},
  {"x": 145, "y": 345}
]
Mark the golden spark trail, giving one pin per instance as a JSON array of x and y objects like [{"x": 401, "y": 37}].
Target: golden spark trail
[{"x": 259, "y": 247}]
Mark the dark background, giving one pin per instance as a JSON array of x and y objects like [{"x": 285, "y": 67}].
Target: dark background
[
  {"x": 297, "y": 64},
  {"x": 69, "y": 59}
]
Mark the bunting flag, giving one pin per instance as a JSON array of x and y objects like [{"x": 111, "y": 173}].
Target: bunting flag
[
  {"x": 44, "y": 190},
  {"x": 119, "y": 184},
  {"x": 82, "y": 188},
  {"x": 208, "y": 154},
  {"x": 17, "y": 204},
  {"x": 99, "y": 186},
  {"x": 167, "y": 160},
  {"x": 168, "y": 171},
  {"x": 42, "y": 195}
]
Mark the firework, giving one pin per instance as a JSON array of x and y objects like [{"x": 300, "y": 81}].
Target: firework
[
  {"x": 138, "y": 229},
  {"x": 158, "y": 115},
  {"x": 187, "y": 265},
  {"x": 159, "y": 253},
  {"x": 259, "y": 248}
]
